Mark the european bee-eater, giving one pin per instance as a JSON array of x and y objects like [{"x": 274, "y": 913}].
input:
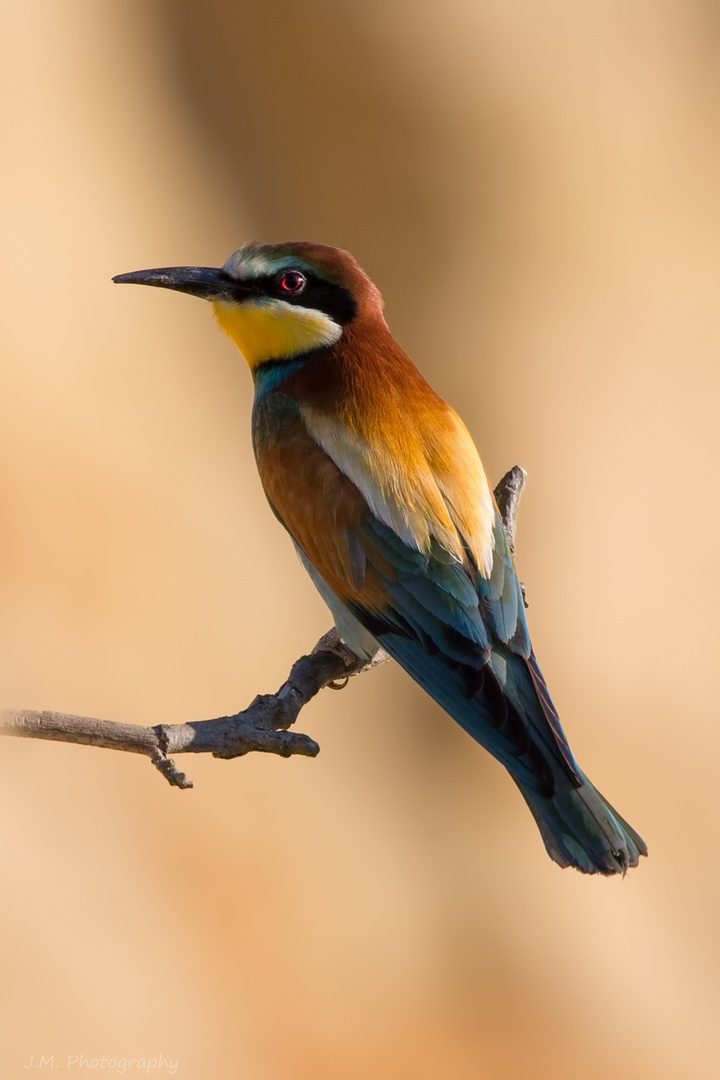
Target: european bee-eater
[{"x": 382, "y": 491}]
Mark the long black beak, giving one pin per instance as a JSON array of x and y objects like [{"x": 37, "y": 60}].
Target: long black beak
[{"x": 201, "y": 281}]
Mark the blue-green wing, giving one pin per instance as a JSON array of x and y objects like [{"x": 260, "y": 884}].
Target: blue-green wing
[{"x": 464, "y": 639}]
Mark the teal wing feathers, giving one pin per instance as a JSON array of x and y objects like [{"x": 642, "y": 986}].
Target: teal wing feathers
[{"x": 464, "y": 639}]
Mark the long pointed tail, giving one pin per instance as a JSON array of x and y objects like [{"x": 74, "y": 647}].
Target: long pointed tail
[{"x": 580, "y": 828}]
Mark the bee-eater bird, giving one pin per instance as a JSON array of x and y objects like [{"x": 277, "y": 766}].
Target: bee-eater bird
[{"x": 382, "y": 491}]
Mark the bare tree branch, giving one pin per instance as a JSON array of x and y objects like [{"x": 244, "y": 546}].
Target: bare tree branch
[
  {"x": 507, "y": 496},
  {"x": 263, "y": 726}
]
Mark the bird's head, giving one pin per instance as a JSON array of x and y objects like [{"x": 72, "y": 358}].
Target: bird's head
[{"x": 276, "y": 301}]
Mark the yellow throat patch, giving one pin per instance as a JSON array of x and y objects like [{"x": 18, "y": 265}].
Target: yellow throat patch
[{"x": 273, "y": 329}]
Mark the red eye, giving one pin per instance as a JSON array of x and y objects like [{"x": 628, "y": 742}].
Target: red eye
[{"x": 293, "y": 282}]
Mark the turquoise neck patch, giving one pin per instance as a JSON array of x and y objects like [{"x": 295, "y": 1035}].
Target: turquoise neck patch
[{"x": 270, "y": 374}]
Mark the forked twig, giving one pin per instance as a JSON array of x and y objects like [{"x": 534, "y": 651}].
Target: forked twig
[{"x": 263, "y": 726}]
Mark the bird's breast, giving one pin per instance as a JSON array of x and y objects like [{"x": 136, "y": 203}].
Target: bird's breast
[{"x": 317, "y": 503}]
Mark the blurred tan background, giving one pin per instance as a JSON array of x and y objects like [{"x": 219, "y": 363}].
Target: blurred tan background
[{"x": 534, "y": 187}]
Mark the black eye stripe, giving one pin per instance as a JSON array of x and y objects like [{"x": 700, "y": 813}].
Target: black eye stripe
[{"x": 317, "y": 294}]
